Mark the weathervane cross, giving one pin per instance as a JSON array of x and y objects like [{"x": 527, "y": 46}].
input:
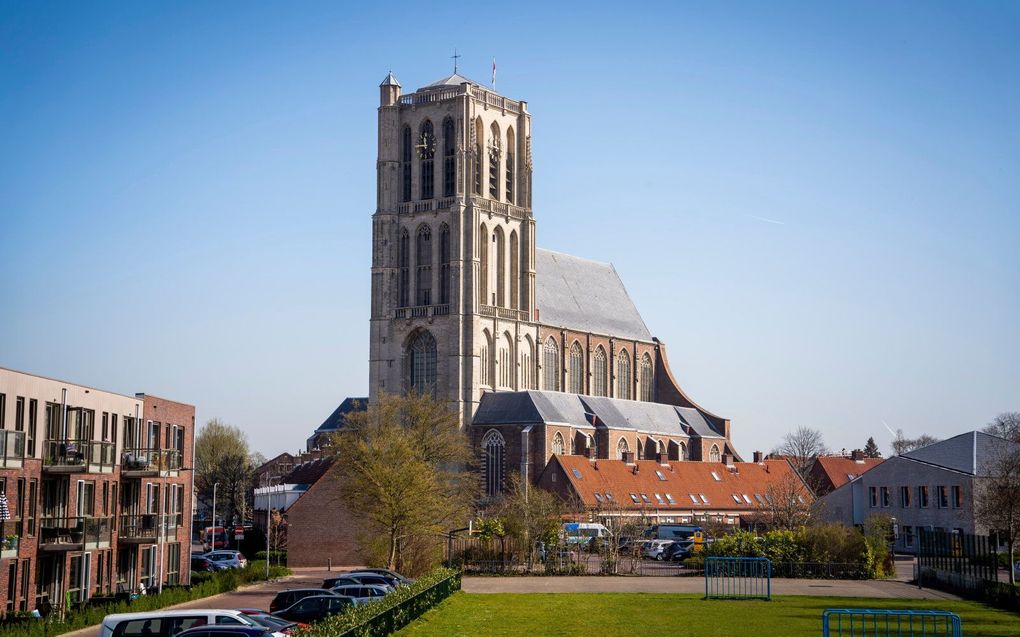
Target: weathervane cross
[{"x": 454, "y": 57}]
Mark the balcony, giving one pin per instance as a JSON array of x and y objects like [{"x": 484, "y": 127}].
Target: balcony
[
  {"x": 9, "y": 546},
  {"x": 144, "y": 528},
  {"x": 69, "y": 533},
  {"x": 78, "y": 456},
  {"x": 141, "y": 462},
  {"x": 12, "y": 449},
  {"x": 421, "y": 311},
  {"x": 503, "y": 313}
]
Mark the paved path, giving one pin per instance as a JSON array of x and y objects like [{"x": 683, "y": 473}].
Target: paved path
[{"x": 601, "y": 584}]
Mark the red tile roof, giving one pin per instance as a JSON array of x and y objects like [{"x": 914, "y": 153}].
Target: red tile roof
[
  {"x": 839, "y": 470},
  {"x": 720, "y": 485}
]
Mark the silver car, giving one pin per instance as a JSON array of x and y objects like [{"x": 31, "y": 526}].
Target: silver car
[
  {"x": 362, "y": 593},
  {"x": 226, "y": 559}
]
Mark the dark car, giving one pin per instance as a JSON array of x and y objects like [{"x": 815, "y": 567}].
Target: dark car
[
  {"x": 678, "y": 551},
  {"x": 202, "y": 565},
  {"x": 226, "y": 631},
  {"x": 359, "y": 577},
  {"x": 387, "y": 573},
  {"x": 286, "y": 599},
  {"x": 272, "y": 622},
  {"x": 316, "y": 607}
]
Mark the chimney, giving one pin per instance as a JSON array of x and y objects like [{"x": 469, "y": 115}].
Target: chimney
[
  {"x": 727, "y": 459},
  {"x": 759, "y": 457},
  {"x": 628, "y": 457},
  {"x": 857, "y": 455},
  {"x": 662, "y": 458}
]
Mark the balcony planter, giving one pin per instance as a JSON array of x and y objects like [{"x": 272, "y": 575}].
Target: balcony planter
[{"x": 9, "y": 543}]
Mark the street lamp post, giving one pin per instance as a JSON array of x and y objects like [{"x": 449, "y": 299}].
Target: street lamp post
[{"x": 214, "y": 487}]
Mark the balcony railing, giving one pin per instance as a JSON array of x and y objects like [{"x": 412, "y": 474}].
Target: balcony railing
[
  {"x": 70, "y": 456},
  {"x": 74, "y": 532},
  {"x": 421, "y": 311},
  {"x": 12, "y": 448},
  {"x": 145, "y": 527},
  {"x": 503, "y": 313},
  {"x": 145, "y": 459}
]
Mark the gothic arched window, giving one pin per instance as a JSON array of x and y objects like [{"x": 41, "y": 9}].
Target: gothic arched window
[
  {"x": 683, "y": 452},
  {"x": 423, "y": 263},
  {"x": 623, "y": 375},
  {"x": 514, "y": 267},
  {"x": 621, "y": 448},
  {"x": 713, "y": 455},
  {"x": 493, "y": 451},
  {"x": 483, "y": 265},
  {"x": 479, "y": 134},
  {"x": 500, "y": 267},
  {"x": 527, "y": 364},
  {"x": 404, "y": 265},
  {"x": 444, "y": 264},
  {"x": 600, "y": 375},
  {"x": 575, "y": 373},
  {"x": 551, "y": 365},
  {"x": 422, "y": 363},
  {"x": 427, "y": 154},
  {"x": 494, "y": 153},
  {"x": 485, "y": 359},
  {"x": 506, "y": 362},
  {"x": 510, "y": 167},
  {"x": 557, "y": 444},
  {"x": 405, "y": 164},
  {"x": 646, "y": 378},
  {"x": 449, "y": 158}
]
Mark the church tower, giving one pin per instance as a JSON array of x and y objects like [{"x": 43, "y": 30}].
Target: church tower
[{"x": 453, "y": 245}]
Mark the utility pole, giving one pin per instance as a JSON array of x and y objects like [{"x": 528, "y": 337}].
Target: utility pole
[{"x": 213, "y": 543}]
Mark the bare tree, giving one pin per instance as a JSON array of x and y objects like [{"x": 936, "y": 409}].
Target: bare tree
[
  {"x": 1006, "y": 425},
  {"x": 222, "y": 456},
  {"x": 801, "y": 447},
  {"x": 997, "y": 496},
  {"x": 901, "y": 444},
  {"x": 529, "y": 514},
  {"x": 787, "y": 504}
]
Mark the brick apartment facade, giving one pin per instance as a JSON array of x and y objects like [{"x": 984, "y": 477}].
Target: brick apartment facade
[{"x": 98, "y": 489}]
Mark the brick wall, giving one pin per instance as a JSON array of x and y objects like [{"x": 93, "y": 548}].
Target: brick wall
[{"x": 320, "y": 528}]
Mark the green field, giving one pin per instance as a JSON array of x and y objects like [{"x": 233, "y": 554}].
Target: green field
[{"x": 592, "y": 614}]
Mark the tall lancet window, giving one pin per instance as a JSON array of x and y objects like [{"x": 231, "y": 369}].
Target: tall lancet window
[
  {"x": 405, "y": 164},
  {"x": 514, "y": 271},
  {"x": 404, "y": 266},
  {"x": 646, "y": 378},
  {"x": 551, "y": 365},
  {"x": 494, "y": 155},
  {"x": 500, "y": 267},
  {"x": 421, "y": 363},
  {"x": 444, "y": 264},
  {"x": 479, "y": 135},
  {"x": 423, "y": 269},
  {"x": 493, "y": 447},
  {"x": 510, "y": 166},
  {"x": 623, "y": 375},
  {"x": 449, "y": 158},
  {"x": 600, "y": 375},
  {"x": 483, "y": 266},
  {"x": 427, "y": 153},
  {"x": 575, "y": 373}
]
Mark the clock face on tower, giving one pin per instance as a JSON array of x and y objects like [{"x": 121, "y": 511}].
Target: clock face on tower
[{"x": 426, "y": 146}]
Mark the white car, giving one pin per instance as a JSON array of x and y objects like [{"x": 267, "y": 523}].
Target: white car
[
  {"x": 654, "y": 549},
  {"x": 167, "y": 623},
  {"x": 362, "y": 593}
]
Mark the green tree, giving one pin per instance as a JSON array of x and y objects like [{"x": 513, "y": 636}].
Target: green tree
[
  {"x": 529, "y": 514},
  {"x": 871, "y": 449},
  {"x": 399, "y": 468},
  {"x": 222, "y": 456}
]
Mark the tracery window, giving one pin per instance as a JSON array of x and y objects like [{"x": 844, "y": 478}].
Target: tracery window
[
  {"x": 494, "y": 154},
  {"x": 600, "y": 373},
  {"x": 646, "y": 378},
  {"x": 479, "y": 133},
  {"x": 493, "y": 452},
  {"x": 623, "y": 375},
  {"x": 621, "y": 448},
  {"x": 485, "y": 360},
  {"x": 575, "y": 373},
  {"x": 422, "y": 363},
  {"x": 527, "y": 366},
  {"x": 557, "y": 444},
  {"x": 423, "y": 271},
  {"x": 514, "y": 267},
  {"x": 428, "y": 153},
  {"x": 405, "y": 164},
  {"x": 449, "y": 158},
  {"x": 551, "y": 365},
  {"x": 713, "y": 455},
  {"x": 483, "y": 265},
  {"x": 500, "y": 267},
  {"x": 506, "y": 362},
  {"x": 404, "y": 266},
  {"x": 444, "y": 264},
  {"x": 510, "y": 167}
]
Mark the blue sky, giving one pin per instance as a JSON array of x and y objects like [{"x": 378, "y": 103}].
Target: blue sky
[{"x": 815, "y": 206}]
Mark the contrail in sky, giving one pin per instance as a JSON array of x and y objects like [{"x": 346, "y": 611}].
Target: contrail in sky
[
  {"x": 767, "y": 220},
  {"x": 889, "y": 428}
]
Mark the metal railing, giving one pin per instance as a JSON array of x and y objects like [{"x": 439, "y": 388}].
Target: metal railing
[
  {"x": 902, "y": 623},
  {"x": 138, "y": 526},
  {"x": 74, "y": 530},
  {"x": 738, "y": 577},
  {"x": 12, "y": 448},
  {"x": 78, "y": 453},
  {"x": 150, "y": 459}
]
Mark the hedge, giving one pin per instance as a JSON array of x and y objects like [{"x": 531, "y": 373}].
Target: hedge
[
  {"x": 392, "y": 612},
  {"x": 93, "y": 613}
]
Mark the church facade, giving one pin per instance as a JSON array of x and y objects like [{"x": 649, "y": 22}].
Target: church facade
[{"x": 538, "y": 352}]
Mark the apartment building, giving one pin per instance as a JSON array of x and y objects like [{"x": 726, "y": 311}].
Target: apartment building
[{"x": 98, "y": 488}]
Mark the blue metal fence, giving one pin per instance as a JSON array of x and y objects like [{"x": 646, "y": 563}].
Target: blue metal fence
[
  {"x": 738, "y": 577},
  {"x": 855, "y": 622}
]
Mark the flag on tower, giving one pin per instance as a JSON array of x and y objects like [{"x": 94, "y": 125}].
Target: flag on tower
[{"x": 493, "y": 72}]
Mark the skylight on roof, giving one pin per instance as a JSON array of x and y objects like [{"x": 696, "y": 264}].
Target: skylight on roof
[
  {"x": 761, "y": 500},
  {"x": 633, "y": 496},
  {"x": 703, "y": 498},
  {"x": 747, "y": 499},
  {"x": 716, "y": 477},
  {"x": 644, "y": 496},
  {"x": 694, "y": 498},
  {"x": 577, "y": 474},
  {"x": 661, "y": 476},
  {"x": 658, "y": 498},
  {"x": 670, "y": 498},
  {"x": 609, "y": 496},
  {"x": 598, "y": 497},
  {"x": 736, "y": 498}
]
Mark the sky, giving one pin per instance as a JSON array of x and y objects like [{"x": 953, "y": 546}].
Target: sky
[{"x": 816, "y": 206}]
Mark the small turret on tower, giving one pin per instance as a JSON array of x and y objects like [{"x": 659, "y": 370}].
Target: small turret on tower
[{"x": 389, "y": 91}]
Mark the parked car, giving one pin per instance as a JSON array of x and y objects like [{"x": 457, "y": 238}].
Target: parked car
[
  {"x": 168, "y": 623},
  {"x": 379, "y": 579},
  {"x": 385, "y": 572},
  {"x": 227, "y": 559},
  {"x": 678, "y": 551},
  {"x": 316, "y": 607},
  {"x": 653, "y": 549},
  {"x": 203, "y": 565},
  {"x": 275, "y": 624},
  {"x": 356, "y": 578},
  {"x": 226, "y": 631},
  {"x": 287, "y": 598},
  {"x": 362, "y": 593}
]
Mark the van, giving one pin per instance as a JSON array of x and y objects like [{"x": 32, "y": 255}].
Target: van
[
  {"x": 167, "y": 623},
  {"x": 583, "y": 532},
  {"x": 673, "y": 532}
]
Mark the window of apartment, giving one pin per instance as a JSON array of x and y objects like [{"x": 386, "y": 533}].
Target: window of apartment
[
  {"x": 3, "y": 411},
  {"x": 908, "y": 536},
  {"x": 761, "y": 500},
  {"x": 106, "y": 426},
  {"x": 609, "y": 496},
  {"x": 19, "y": 414},
  {"x": 86, "y": 498},
  {"x": 886, "y": 496},
  {"x": 33, "y": 417},
  {"x": 173, "y": 563},
  {"x": 33, "y": 488},
  {"x": 873, "y": 496},
  {"x": 26, "y": 570},
  {"x": 74, "y": 588},
  {"x": 905, "y": 497},
  {"x": 151, "y": 498},
  {"x": 942, "y": 493},
  {"x": 113, "y": 428},
  {"x": 957, "y": 496},
  {"x": 922, "y": 497},
  {"x": 12, "y": 585}
]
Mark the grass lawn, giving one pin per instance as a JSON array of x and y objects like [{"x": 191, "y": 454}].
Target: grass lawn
[{"x": 538, "y": 614}]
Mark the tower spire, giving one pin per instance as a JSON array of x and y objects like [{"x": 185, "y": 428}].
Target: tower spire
[{"x": 455, "y": 57}]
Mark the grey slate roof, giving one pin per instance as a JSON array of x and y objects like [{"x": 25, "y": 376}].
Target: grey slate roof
[
  {"x": 549, "y": 407},
  {"x": 968, "y": 452},
  {"x": 453, "y": 80},
  {"x": 390, "y": 80},
  {"x": 585, "y": 295}
]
